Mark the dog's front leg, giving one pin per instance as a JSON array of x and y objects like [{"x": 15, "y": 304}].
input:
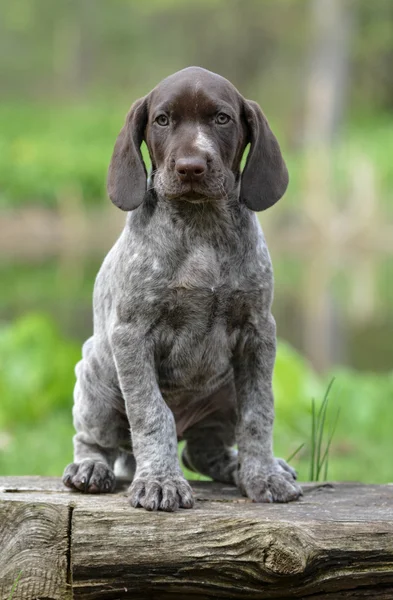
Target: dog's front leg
[
  {"x": 262, "y": 477},
  {"x": 158, "y": 482}
]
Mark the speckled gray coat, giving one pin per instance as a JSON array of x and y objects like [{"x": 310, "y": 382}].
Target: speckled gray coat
[{"x": 184, "y": 340}]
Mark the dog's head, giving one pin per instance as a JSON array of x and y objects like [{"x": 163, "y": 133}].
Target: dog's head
[{"x": 196, "y": 126}]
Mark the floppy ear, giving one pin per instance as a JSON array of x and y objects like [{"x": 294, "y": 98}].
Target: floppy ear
[
  {"x": 265, "y": 176},
  {"x": 126, "y": 182}
]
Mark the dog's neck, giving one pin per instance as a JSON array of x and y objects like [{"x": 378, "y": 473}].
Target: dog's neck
[
  {"x": 221, "y": 217},
  {"x": 200, "y": 214},
  {"x": 194, "y": 238}
]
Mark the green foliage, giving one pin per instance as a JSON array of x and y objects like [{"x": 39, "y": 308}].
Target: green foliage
[
  {"x": 51, "y": 288},
  {"x": 36, "y": 385},
  {"x": 294, "y": 384},
  {"x": 46, "y": 153},
  {"x": 49, "y": 153},
  {"x": 362, "y": 447},
  {"x": 40, "y": 448},
  {"x": 36, "y": 370}
]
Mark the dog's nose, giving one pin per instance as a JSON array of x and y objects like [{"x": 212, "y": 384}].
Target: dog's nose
[{"x": 191, "y": 168}]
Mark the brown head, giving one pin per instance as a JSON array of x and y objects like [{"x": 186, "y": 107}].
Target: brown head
[{"x": 196, "y": 126}]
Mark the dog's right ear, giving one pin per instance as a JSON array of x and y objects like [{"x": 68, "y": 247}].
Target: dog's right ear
[
  {"x": 265, "y": 176},
  {"x": 126, "y": 182}
]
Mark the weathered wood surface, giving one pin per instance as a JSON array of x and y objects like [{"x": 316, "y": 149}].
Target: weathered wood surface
[{"x": 336, "y": 543}]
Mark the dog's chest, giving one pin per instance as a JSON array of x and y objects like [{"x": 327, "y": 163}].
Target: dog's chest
[
  {"x": 208, "y": 301},
  {"x": 212, "y": 291}
]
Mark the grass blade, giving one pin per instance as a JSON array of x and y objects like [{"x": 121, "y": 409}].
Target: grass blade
[
  {"x": 15, "y": 585},
  {"x": 321, "y": 426},
  {"x": 294, "y": 453},
  {"x": 326, "y": 454},
  {"x": 313, "y": 429}
]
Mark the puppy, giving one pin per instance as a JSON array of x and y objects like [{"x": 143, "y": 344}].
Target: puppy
[{"x": 184, "y": 340}]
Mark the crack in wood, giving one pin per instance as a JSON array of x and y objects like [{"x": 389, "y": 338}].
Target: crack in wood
[{"x": 69, "y": 546}]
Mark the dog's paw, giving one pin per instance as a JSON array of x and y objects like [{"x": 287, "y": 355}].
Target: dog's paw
[
  {"x": 272, "y": 483},
  {"x": 90, "y": 477},
  {"x": 161, "y": 493}
]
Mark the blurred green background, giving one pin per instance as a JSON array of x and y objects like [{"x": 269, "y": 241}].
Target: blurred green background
[{"x": 322, "y": 72}]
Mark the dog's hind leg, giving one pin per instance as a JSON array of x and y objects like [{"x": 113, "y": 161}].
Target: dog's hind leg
[
  {"x": 125, "y": 466},
  {"x": 101, "y": 428},
  {"x": 209, "y": 443}
]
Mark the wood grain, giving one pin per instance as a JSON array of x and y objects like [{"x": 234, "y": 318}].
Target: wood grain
[
  {"x": 34, "y": 545},
  {"x": 336, "y": 543}
]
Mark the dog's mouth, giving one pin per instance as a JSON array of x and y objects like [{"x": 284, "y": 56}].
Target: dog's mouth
[
  {"x": 192, "y": 195},
  {"x": 190, "y": 191}
]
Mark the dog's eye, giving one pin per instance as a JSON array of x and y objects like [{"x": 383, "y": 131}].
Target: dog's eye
[
  {"x": 162, "y": 120},
  {"x": 222, "y": 119}
]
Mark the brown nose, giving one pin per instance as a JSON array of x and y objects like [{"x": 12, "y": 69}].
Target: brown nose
[{"x": 190, "y": 169}]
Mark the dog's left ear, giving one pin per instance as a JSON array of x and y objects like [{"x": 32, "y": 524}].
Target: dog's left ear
[
  {"x": 265, "y": 176},
  {"x": 126, "y": 182}
]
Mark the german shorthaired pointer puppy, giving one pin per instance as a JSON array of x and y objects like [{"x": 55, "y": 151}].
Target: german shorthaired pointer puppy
[{"x": 184, "y": 341}]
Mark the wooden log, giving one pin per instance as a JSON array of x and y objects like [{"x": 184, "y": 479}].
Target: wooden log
[{"x": 336, "y": 543}]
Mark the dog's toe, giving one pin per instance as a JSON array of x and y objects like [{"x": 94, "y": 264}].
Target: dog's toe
[
  {"x": 102, "y": 479},
  {"x": 185, "y": 494},
  {"x": 152, "y": 496},
  {"x": 287, "y": 467},
  {"x": 170, "y": 497},
  {"x": 89, "y": 476},
  {"x": 69, "y": 474},
  {"x": 283, "y": 490},
  {"x": 161, "y": 493},
  {"x": 135, "y": 493}
]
